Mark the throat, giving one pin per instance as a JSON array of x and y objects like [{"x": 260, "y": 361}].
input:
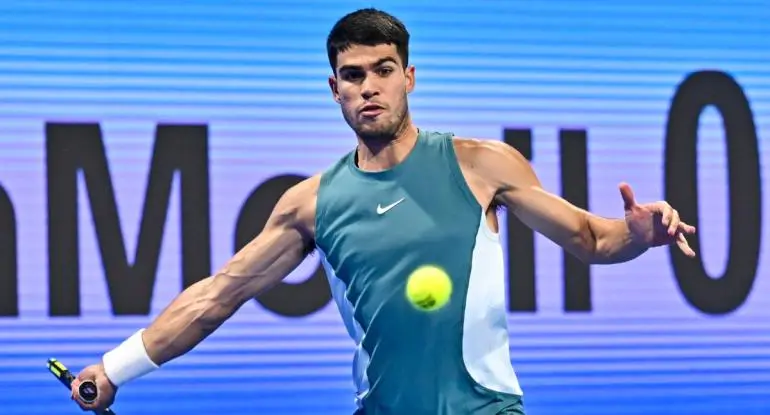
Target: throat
[{"x": 379, "y": 155}]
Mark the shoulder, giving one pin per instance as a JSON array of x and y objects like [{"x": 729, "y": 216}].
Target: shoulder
[
  {"x": 303, "y": 194},
  {"x": 488, "y": 158},
  {"x": 339, "y": 166},
  {"x": 302, "y": 198},
  {"x": 304, "y": 190},
  {"x": 297, "y": 206}
]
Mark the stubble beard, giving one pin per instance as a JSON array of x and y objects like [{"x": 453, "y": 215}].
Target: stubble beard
[{"x": 381, "y": 133}]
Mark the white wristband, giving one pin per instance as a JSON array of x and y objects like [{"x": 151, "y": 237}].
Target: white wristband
[{"x": 128, "y": 361}]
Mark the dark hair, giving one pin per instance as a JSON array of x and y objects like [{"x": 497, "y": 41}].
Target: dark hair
[{"x": 368, "y": 27}]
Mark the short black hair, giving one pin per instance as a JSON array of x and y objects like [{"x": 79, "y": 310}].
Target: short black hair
[{"x": 367, "y": 27}]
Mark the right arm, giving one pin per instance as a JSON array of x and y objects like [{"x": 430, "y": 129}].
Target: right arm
[{"x": 200, "y": 309}]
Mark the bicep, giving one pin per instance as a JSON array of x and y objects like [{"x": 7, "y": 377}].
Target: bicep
[
  {"x": 520, "y": 190},
  {"x": 264, "y": 261}
]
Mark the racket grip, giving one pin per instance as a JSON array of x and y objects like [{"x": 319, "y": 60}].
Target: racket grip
[
  {"x": 87, "y": 390},
  {"x": 88, "y": 393}
]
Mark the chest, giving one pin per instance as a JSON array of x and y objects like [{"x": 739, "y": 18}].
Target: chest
[{"x": 376, "y": 227}]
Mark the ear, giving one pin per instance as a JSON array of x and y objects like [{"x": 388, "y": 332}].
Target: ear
[
  {"x": 410, "y": 80},
  {"x": 335, "y": 90}
]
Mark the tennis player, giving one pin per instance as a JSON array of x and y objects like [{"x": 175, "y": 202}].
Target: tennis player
[{"x": 403, "y": 198}]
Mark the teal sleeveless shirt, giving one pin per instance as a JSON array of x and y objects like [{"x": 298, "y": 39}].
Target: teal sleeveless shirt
[{"x": 373, "y": 229}]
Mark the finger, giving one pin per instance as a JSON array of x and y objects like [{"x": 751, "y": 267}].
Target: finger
[
  {"x": 673, "y": 225},
  {"x": 85, "y": 405},
  {"x": 685, "y": 248},
  {"x": 81, "y": 404},
  {"x": 666, "y": 213},
  {"x": 685, "y": 228},
  {"x": 628, "y": 196},
  {"x": 74, "y": 388},
  {"x": 681, "y": 241}
]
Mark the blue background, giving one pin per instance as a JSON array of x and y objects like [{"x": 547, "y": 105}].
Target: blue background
[{"x": 256, "y": 73}]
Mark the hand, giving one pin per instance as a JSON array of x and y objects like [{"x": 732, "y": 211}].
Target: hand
[
  {"x": 655, "y": 224},
  {"x": 106, "y": 390}
]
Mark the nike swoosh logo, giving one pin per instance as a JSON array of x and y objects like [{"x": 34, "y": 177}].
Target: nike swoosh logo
[{"x": 383, "y": 209}]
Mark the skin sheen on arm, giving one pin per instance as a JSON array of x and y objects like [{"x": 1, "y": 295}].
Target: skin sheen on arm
[
  {"x": 198, "y": 311},
  {"x": 507, "y": 179}
]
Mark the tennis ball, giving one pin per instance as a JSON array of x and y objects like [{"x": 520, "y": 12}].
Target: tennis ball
[{"x": 428, "y": 288}]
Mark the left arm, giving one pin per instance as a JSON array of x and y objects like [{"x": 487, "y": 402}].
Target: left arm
[{"x": 589, "y": 237}]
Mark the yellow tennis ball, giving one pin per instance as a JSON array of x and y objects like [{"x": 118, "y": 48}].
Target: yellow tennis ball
[{"x": 428, "y": 288}]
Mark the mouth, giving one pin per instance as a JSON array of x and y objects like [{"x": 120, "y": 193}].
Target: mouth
[{"x": 371, "y": 110}]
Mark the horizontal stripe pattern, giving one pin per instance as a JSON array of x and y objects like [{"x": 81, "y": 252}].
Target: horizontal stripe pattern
[{"x": 256, "y": 72}]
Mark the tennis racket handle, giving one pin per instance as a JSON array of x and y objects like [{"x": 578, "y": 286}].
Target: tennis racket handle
[{"x": 88, "y": 393}]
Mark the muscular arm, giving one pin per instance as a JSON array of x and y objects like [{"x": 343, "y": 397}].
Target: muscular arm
[
  {"x": 266, "y": 260},
  {"x": 512, "y": 182}
]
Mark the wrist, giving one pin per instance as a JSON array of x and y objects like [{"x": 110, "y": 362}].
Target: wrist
[
  {"x": 615, "y": 241},
  {"x": 128, "y": 361},
  {"x": 633, "y": 241},
  {"x": 634, "y": 246}
]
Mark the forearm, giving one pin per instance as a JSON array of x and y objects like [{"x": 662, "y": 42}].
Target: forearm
[
  {"x": 204, "y": 306},
  {"x": 187, "y": 321},
  {"x": 201, "y": 308},
  {"x": 190, "y": 318},
  {"x": 588, "y": 237},
  {"x": 612, "y": 241}
]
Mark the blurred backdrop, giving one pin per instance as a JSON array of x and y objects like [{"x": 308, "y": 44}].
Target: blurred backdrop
[{"x": 142, "y": 143}]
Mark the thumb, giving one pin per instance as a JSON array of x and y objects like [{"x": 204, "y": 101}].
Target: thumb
[{"x": 628, "y": 196}]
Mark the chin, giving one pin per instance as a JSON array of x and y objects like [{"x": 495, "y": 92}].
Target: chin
[{"x": 376, "y": 134}]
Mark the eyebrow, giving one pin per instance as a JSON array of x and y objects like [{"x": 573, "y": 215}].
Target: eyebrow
[{"x": 378, "y": 63}]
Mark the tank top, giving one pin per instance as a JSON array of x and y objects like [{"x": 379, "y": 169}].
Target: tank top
[{"x": 373, "y": 229}]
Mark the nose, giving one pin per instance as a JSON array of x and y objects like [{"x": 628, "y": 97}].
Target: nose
[{"x": 369, "y": 88}]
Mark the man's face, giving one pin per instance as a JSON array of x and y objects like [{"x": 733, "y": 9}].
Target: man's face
[{"x": 371, "y": 87}]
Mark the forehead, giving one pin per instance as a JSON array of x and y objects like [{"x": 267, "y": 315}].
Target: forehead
[{"x": 363, "y": 56}]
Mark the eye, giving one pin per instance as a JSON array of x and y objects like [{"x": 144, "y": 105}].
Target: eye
[
  {"x": 384, "y": 71},
  {"x": 352, "y": 76}
]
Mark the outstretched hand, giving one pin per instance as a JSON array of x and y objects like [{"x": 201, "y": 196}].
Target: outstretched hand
[{"x": 655, "y": 224}]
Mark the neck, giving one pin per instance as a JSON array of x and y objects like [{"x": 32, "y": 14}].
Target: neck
[{"x": 377, "y": 155}]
